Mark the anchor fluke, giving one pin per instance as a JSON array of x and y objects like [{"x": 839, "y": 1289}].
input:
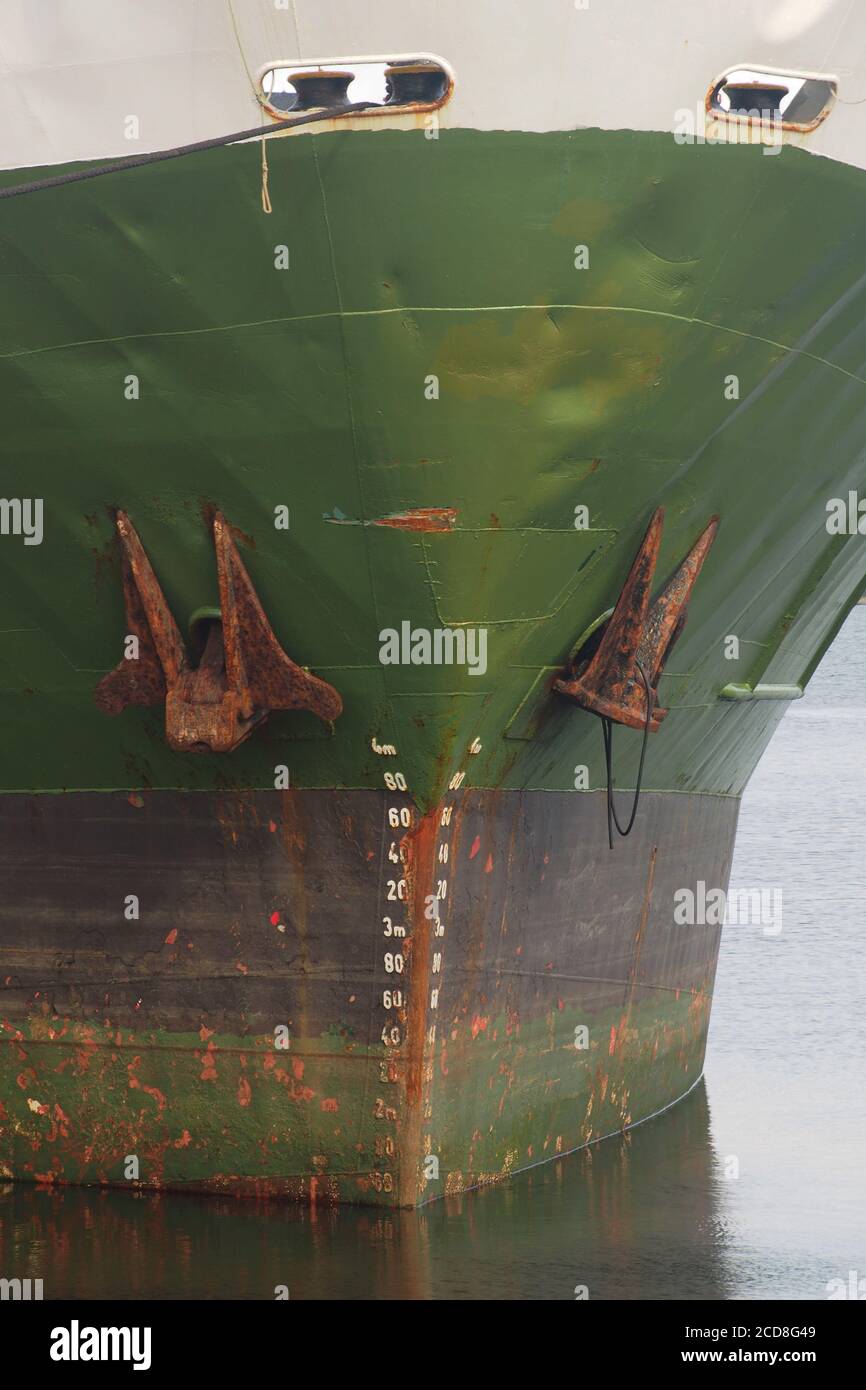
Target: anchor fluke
[
  {"x": 638, "y": 636},
  {"x": 243, "y": 673}
]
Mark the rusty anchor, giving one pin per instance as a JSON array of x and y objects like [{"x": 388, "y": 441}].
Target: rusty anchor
[
  {"x": 616, "y": 673},
  {"x": 242, "y": 674}
]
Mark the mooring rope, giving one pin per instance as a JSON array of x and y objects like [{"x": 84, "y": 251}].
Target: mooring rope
[
  {"x": 138, "y": 161},
  {"x": 266, "y": 193},
  {"x": 607, "y": 734}
]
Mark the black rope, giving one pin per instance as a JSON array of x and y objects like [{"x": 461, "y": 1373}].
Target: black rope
[
  {"x": 137, "y": 161},
  {"x": 607, "y": 734}
]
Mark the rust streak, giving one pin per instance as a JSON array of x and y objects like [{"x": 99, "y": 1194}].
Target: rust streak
[{"x": 420, "y": 519}]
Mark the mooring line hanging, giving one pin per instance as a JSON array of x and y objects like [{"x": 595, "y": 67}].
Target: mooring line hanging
[
  {"x": 607, "y": 734},
  {"x": 266, "y": 192},
  {"x": 137, "y": 161}
]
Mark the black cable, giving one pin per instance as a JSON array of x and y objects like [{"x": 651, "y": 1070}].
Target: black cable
[
  {"x": 607, "y": 734},
  {"x": 137, "y": 161}
]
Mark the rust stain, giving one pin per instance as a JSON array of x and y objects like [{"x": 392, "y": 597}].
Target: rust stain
[
  {"x": 420, "y": 519},
  {"x": 617, "y": 678},
  {"x": 419, "y": 848},
  {"x": 242, "y": 674},
  {"x": 294, "y": 841},
  {"x": 419, "y": 845}
]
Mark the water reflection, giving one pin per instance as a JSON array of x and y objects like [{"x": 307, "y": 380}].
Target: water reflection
[
  {"x": 770, "y": 1206},
  {"x": 636, "y": 1217}
]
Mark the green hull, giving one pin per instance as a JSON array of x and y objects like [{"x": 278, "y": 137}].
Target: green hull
[
  {"x": 558, "y": 387},
  {"x": 310, "y": 388}
]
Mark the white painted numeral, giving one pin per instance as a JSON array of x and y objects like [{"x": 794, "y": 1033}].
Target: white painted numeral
[{"x": 384, "y": 750}]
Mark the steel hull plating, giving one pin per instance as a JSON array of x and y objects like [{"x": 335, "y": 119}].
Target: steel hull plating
[
  {"x": 312, "y": 993},
  {"x": 554, "y": 1001}
]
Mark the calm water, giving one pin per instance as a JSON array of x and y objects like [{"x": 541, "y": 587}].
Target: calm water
[{"x": 655, "y": 1215}]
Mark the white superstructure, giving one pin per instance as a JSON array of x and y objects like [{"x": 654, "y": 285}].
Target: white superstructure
[{"x": 73, "y": 72}]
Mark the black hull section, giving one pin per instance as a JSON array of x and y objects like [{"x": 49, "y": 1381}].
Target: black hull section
[{"x": 285, "y": 993}]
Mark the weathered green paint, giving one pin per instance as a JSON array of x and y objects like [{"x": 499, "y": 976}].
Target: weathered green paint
[
  {"x": 262, "y": 388},
  {"x": 761, "y": 692},
  {"x": 79, "y": 1100},
  {"x": 568, "y": 1004},
  {"x": 558, "y": 387}
]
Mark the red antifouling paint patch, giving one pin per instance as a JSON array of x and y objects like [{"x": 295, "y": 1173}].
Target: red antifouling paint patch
[
  {"x": 478, "y": 1025},
  {"x": 488, "y": 867},
  {"x": 245, "y": 1094},
  {"x": 272, "y": 825},
  {"x": 612, "y": 1045},
  {"x": 172, "y": 937},
  {"x": 420, "y": 519},
  {"x": 275, "y": 919},
  {"x": 329, "y": 1103},
  {"x": 476, "y": 845}
]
